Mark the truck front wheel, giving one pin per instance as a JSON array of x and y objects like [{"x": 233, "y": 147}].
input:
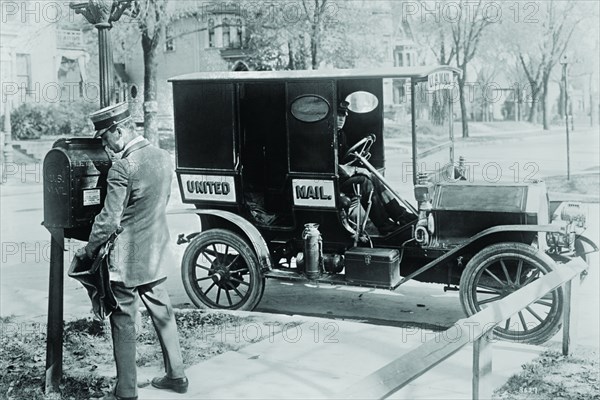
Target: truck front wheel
[{"x": 501, "y": 269}]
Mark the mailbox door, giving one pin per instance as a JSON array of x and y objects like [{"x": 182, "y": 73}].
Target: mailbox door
[{"x": 57, "y": 189}]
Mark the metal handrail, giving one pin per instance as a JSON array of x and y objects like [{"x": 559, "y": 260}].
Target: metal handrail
[{"x": 475, "y": 329}]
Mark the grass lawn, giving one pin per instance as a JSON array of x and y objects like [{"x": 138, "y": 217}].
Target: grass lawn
[
  {"x": 88, "y": 365},
  {"x": 554, "y": 376},
  {"x": 587, "y": 184}
]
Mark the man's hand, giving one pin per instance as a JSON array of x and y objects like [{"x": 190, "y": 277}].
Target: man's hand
[
  {"x": 84, "y": 253},
  {"x": 81, "y": 254},
  {"x": 347, "y": 170}
]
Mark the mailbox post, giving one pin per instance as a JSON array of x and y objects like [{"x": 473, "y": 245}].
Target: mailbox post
[{"x": 75, "y": 172}]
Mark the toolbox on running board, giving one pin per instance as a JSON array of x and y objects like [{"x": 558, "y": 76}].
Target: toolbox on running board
[{"x": 378, "y": 267}]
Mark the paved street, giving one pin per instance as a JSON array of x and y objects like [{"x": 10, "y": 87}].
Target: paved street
[{"x": 519, "y": 158}]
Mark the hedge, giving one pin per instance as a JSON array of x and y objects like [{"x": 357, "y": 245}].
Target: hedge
[{"x": 34, "y": 120}]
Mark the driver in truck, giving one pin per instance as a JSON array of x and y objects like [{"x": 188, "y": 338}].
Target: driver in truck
[{"x": 385, "y": 212}]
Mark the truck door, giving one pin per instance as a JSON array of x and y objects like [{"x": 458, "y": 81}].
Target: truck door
[{"x": 310, "y": 127}]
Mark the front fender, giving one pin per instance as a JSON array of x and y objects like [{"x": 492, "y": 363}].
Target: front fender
[
  {"x": 478, "y": 238},
  {"x": 252, "y": 234},
  {"x": 589, "y": 241}
]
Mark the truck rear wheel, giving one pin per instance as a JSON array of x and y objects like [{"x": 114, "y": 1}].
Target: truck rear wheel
[
  {"x": 501, "y": 269},
  {"x": 220, "y": 270}
]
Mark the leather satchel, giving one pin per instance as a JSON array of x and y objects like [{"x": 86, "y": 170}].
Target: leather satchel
[{"x": 94, "y": 276}]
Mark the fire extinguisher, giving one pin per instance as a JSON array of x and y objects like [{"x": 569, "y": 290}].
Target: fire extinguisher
[{"x": 313, "y": 251}]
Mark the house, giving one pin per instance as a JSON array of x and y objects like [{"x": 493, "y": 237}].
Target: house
[
  {"x": 40, "y": 62},
  {"x": 209, "y": 40},
  {"x": 213, "y": 38}
]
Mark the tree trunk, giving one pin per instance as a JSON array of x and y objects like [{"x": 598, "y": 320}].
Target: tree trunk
[
  {"x": 534, "y": 94},
  {"x": 463, "y": 105},
  {"x": 314, "y": 47},
  {"x": 291, "y": 63},
  {"x": 544, "y": 100},
  {"x": 150, "y": 91},
  {"x": 532, "y": 117}
]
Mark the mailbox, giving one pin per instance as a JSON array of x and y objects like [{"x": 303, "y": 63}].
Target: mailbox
[{"x": 75, "y": 172}]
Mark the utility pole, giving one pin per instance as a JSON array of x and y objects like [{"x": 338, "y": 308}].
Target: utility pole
[
  {"x": 564, "y": 61},
  {"x": 591, "y": 100}
]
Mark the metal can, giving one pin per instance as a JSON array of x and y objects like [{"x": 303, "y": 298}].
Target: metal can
[{"x": 313, "y": 251}]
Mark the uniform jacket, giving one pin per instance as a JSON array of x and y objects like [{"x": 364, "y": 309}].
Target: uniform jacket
[{"x": 139, "y": 186}]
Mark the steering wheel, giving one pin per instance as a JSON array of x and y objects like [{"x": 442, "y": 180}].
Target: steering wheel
[{"x": 362, "y": 147}]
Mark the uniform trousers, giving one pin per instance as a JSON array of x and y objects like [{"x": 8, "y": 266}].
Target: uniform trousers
[
  {"x": 378, "y": 213},
  {"x": 123, "y": 327}
]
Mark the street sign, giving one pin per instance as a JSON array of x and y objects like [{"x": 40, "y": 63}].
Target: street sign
[{"x": 440, "y": 80}]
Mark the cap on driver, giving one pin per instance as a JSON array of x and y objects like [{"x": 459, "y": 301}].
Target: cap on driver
[{"x": 343, "y": 108}]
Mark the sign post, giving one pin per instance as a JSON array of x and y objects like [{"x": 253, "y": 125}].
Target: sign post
[{"x": 564, "y": 61}]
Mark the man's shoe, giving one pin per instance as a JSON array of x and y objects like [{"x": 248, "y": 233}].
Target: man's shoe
[
  {"x": 112, "y": 396},
  {"x": 179, "y": 385}
]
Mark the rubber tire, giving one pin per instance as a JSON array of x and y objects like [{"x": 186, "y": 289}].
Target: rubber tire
[
  {"x": 553, "y": 321},
  {"x": 257, "y": 279}
]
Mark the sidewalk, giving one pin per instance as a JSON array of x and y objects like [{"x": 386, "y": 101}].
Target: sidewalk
[{"x": 320, "y": 358}]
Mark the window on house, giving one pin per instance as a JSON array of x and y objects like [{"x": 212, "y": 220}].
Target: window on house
[
  {"x": 69, "y": 78},
  {"x": 226, "y": 29},
  {"x": 239, "y": 32},
  {"x": 169, "y": 41},
  {"x": 408, "y": 63},
  {"x": 24, "y": 72},
  {"x": 211, "y": 33},
  {"x": 399, "y": 60},
  {"x": 399, "y": 91}
]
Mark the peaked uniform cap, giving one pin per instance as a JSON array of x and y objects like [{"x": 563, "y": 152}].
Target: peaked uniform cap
[
  {"x": 108, "y": 117},
  {"x": 343, "y": 107}
]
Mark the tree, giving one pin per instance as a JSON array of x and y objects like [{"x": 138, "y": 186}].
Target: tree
[
  {"x": 548, "y": 33},
  {"x": 315, "y": 16},
  {"x": 584, "y": 65},
  {"x": 314, "y": 34},
  {"x": 454, "y": 33},
  {"x": 466, "y": 35},
  {"x": 151, "y": 21}
]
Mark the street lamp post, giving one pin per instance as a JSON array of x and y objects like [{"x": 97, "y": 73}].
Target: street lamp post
[
  {"x": 564, "y": 61},
  {"x": 102, "y": 14}
]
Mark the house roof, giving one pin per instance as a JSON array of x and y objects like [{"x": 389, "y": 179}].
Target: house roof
[{"x": 420, "y": 72}]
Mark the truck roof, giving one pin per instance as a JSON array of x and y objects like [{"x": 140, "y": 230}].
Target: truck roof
[{"x": 420, "y": 72}]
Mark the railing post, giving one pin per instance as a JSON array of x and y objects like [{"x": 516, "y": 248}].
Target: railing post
[
  {"x": 567, "y": 319},
  {"x": 482, "y": 367},
  {"x": 571, "y": 312}
]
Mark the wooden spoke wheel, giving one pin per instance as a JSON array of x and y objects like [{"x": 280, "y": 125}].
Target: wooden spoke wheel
[
  {"x": 501, "y": 269},
  {"x": 220, "y": 270}
]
